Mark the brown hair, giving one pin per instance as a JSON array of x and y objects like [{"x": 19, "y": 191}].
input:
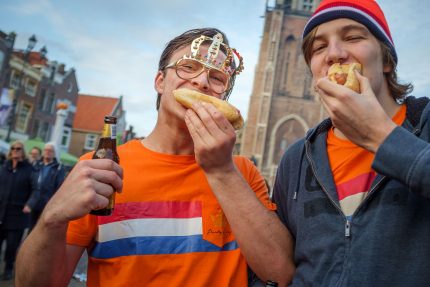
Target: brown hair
[
  {"x": 398, "y": 91},
  {"x": 9, "y": 154},
  {"x": 182, "y": 40}
]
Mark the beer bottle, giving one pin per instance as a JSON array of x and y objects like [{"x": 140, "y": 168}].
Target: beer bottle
[
  {"x": 271, "y": 283},
  {"x": 107, "y": 149}
]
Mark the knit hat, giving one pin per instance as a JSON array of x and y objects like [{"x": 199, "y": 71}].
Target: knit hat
[{"x": 366, "y": 12}]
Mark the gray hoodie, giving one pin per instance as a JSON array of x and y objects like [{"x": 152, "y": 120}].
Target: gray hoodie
[{"x": 387, "y": 240}]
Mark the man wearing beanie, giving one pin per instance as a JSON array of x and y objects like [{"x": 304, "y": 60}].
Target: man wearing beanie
[{"x": 355, "y": 192}]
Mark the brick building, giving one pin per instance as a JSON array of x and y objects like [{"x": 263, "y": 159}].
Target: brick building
[
  {"x": 39, "y": 85},
  {"x": 6, "y": 46},
  {"x": 282, "y": 105}
]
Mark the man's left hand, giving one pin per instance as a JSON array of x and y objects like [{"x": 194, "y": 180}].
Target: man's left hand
[{"x": 213, "y": 137}]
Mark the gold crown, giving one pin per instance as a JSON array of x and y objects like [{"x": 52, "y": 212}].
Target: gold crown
[{"x": 228, "y": 66}]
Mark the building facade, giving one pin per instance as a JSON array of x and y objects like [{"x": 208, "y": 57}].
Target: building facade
[
  {"x": 89, "y": 120},
  {"x": 38, "y": 85},
  {"x": 6, "y": 46},
  {"x": 24, "y": 81},
  {"x": 283, "y": 105},
  {"x": 58, "y": 85}
]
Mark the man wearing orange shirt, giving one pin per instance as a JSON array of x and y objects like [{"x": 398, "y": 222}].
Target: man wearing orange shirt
[
  {"x": 354, "y": 192},
  {"x": 186, "y": 205}
]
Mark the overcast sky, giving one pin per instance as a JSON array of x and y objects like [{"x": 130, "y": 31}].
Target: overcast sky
[{"x": 115, "y": 45}]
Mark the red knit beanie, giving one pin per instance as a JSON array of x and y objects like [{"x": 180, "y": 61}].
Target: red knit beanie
[{"x": 366, "y": 12}]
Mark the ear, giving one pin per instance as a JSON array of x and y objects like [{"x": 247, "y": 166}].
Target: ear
[
  {"x": 387, "y": 68},
  {"x": 159, "y": 82}
]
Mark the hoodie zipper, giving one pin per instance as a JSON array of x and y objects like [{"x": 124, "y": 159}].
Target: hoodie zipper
[
  {"x": 347, "y": 221},
  {"x": 369, "y": 195}
]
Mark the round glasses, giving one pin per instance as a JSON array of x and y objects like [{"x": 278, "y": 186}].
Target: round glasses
[{"x": 188, "y": 69}]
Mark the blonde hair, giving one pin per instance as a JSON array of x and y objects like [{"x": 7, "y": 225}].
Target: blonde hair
[{"x": 17, "y": 142}]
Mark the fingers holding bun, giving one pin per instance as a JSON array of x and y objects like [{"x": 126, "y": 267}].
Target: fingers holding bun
[
  {"x": 343, "y": 74},
  {"x": 187, "y": 97}
]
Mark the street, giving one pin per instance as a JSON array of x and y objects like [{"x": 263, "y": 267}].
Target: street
[{"x": 80, "y": 272}]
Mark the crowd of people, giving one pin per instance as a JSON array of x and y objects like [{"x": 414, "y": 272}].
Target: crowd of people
[
  {"x": 350, "y": 201},
  {"x": 26, "y": 184}
]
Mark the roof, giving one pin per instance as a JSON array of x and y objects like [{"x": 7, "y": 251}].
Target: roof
[
  {"x": 35, "y": 58},
  {"x": 91, "y": 110}
]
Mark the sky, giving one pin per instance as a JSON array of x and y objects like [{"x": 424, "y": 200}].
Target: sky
[{"x": 114, "y": 46}]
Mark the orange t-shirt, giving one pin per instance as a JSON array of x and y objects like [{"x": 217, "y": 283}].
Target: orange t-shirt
[
  {"x": 351, "y": 166},
  {"x": 167, "y": 228}
]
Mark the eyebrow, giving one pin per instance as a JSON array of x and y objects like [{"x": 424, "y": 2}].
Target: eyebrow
[{"x": 343, "y": 30}]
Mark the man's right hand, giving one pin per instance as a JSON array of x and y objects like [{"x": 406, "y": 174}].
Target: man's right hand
[{"x": 86, "y": 188}]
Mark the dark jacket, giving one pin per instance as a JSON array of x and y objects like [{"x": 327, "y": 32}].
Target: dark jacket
[
  {"x": 387, "y": 240},
  {"x": 15, "y": 190},
  {"x": 47, "y": 184}
]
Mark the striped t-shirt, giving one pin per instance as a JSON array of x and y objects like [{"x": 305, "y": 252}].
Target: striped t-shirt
[
  {"x": 351, "y": 168},
  {"x": 167, "y": 228}
]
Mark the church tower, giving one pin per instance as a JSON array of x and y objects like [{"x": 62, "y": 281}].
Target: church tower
[{"x": 282, "y": 105}]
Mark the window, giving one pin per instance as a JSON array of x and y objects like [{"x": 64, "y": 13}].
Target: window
[
  {"x": 30, "y": 88},
  {"x": 44, "y": 131},
  {"x": 36, "y": 126},
  {"x": 42, "y": 99},
  {"x": 65, "y": 139},
  {"x": 1, "y": 59},
  {"x": 14, "y": 81},
  {"x": 70, "y": 88},
  {"x": 268, "y": 81},
  {"x": 90, "y": 141},
  {"x": 23, "y": 117},
  {"x": 272, "y": 51},
  {"x": 50, "y": 103}
]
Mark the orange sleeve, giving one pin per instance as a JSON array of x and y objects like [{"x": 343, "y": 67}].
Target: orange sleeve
[
  {"x": 82, "y": 231},
  {"x": 255, "y": 180}
]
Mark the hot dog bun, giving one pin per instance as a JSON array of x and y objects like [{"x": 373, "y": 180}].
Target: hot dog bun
[
  {"x": 344, "y": 75},
  {"x": 187, "y": 97}
]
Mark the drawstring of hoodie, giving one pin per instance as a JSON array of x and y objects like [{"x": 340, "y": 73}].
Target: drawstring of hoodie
[{"x": 302, "y": 154}]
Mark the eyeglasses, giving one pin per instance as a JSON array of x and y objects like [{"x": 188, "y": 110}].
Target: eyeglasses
[
  {"x": 188, "y": 69},
  {"x": 16, "y": 148}
]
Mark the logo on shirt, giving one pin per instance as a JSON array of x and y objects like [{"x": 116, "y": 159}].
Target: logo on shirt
[{"x": 219, "y": 219}]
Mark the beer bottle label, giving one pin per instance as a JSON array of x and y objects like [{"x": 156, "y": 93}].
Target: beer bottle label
[
  {"x": 106, "y": 131},
  {"x": 113, "y": 131}
]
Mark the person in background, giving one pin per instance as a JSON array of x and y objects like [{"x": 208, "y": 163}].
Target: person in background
[
  {"x": 17, "y": 183},
  {"x": 189, "y": 214},
  {"x": 34, "y": 155},
  {"x": 50, "y": 175},
  {"x": 2, "y": 158},
  {"x": 355, "y": 192}
]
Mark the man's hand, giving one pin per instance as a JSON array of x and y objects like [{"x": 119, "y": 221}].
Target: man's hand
[
  {"x": 86, "y": 188},
  {"x": 213, "y": 137},
  {"x": 360, "y": 117}
]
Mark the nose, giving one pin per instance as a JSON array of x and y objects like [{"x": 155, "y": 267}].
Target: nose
[
  {"x": 201, "y": 82},
  {"x": 335, "y": 53}
]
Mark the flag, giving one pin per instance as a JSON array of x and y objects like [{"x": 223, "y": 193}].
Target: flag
[
  {"x": 6, "y": 98},
  {"x": 143, "y": 228}
]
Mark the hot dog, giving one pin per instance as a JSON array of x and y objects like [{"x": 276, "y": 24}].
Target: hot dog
[
  {"x": 343, "y": 74},
  {"x": 187, "y": 97}
]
